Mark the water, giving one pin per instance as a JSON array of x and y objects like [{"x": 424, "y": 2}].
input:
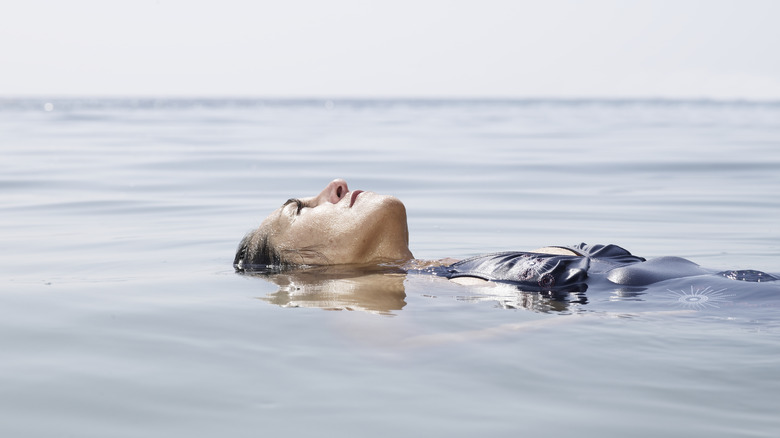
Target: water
[{"x": 121, "y": 314}]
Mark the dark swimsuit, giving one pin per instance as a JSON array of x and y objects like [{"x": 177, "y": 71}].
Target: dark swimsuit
[{"x": 572, "y": 273}]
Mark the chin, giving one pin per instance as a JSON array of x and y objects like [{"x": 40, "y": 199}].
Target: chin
[
  {"x": 392, "y": 211},
  {"x": 392, "y": 203},
  {"x": 394, "y": 230}
]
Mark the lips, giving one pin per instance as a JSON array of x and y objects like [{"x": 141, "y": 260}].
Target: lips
[{"x": 354, "y": 197}]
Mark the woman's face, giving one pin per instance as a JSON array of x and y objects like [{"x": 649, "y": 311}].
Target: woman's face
[{"x": 339, "y": 226}]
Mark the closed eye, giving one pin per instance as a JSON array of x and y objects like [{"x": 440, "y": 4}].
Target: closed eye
[{"x": 299, "y": 204}]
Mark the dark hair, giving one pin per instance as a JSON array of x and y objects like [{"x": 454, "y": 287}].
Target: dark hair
[{"x": 256, "y": 255}]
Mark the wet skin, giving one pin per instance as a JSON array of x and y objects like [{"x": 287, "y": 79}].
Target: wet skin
[{"x": 338, "y": 226}]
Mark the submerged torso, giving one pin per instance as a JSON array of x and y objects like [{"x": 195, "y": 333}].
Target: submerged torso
[{"x": 583, "y": 265}]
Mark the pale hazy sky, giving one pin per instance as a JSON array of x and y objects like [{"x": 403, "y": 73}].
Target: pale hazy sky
[{"x": 425, "y": 48}]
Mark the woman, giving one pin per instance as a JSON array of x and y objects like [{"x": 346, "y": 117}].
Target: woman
[{"x": 343, "y": 227}]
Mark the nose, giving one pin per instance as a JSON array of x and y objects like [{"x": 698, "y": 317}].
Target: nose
[{"x": 334, "y": 192}]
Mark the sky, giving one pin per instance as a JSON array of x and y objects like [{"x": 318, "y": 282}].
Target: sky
[{"x": 714, "y": 49}]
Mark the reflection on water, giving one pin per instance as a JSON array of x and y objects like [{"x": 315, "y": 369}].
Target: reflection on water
[
  {"x": 381, "y": 290},
  {"x": 384, "y": 293},
  {"x": 370, "y": 289}
]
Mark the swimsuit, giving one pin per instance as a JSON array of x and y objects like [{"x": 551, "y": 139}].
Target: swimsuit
[{"x": 571, "y": 273}]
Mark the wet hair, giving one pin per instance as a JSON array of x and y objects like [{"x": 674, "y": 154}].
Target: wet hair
[{"x": 256, "y": 255}]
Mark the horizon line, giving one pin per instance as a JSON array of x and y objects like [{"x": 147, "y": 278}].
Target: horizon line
[{"x": 367, "y": 98}]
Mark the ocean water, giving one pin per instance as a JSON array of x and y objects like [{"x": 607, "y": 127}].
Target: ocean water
[{"x": 121, "y": 315}]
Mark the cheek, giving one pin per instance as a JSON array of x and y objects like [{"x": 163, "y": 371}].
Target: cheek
[
  {"x": 336, "y": 228},
  {"x": 316, "y": 228}
]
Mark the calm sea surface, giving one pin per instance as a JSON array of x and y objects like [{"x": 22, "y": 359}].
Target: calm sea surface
[{"x": 121, "y": 316}]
